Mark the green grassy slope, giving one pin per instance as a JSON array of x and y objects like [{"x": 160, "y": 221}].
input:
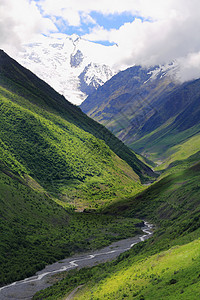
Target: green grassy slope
[
  {"x": 163, "y": 267},
  {"x": 171, "y": 274},
  {"x": 61, "y": 157},
  {"x": 48, "y": 151},
  {"x": 167, "y": 143},
  {"x": 35, "y": 231},
  {"x": 67, "y": 153},
  {"x": 21, "y": 82},
  {"x": 175, "y": 197}
]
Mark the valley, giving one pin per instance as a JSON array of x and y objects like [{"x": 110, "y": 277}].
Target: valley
[
  {"x": 69, "y": 187},
  {"x": 26, "y": 288},
  {"x": 165, "y": 266},
  {"x": 55, "y": 160}
]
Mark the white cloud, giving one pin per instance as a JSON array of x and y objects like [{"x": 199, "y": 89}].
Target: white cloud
[
  {"x": 87, "y": 19},
  {"x": 150, "y": 9},
  {"x": 156, "y": 9},
  {"x": 19, "y": 21},
  {"x": 172, "y": 34},
  {"x": 189, "y": 67},
  {"x": 169, "y": 30},
  {"x": 72, "y": 16}
]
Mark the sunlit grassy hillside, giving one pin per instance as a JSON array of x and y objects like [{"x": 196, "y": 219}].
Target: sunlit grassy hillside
[
  {"x": 171, "y": 274},
  {"x": 164, "y": 267}
]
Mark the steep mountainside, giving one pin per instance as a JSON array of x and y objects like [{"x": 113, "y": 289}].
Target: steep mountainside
[
  {"x": 69, "y": 64},
  {"x": 147, "y": 110},
  {"x": 51, "y": 140},
  {"x": 125, "y": 102}
]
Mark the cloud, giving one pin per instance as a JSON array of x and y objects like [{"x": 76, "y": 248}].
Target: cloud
[
  {"x": 155, "y": 9},
  {"x": 19, "y": 21},
  {"x": 87, "y": 19},
  {"x": 162, "y": 31},
  {"x": 189, "y": 67},
  {"x": 169, "y": 31},
  {"x": 72, "y": 16}
]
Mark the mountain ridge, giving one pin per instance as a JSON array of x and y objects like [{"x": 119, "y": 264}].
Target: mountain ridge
[{"x": 130, "y": 92}]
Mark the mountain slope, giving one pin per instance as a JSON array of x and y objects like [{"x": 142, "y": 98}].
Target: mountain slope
[
  {"x": 175, "y": 123},
  {"x": 49, "y": 153},
  {"x": 125, "y": 102},
  {"x": 148, "y": 111},
  {"x": 69, "y": 64},
  {"x": 46, "y": 137}
]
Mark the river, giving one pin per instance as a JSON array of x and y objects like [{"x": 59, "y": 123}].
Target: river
[{"x": 25, "y": 289}]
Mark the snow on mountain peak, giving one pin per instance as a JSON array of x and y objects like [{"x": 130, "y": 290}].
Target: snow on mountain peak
[
  {"x": 69, "y": 64},
  {"x": 168, "y": 70}
]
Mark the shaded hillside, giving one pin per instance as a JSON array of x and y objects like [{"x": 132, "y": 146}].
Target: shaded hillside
[
  {"x": 174, "y": 197},
  {"x": 175, "y": 124},
  {"x": 51, "y": 140},
  {"x": 37, "y": 95}
]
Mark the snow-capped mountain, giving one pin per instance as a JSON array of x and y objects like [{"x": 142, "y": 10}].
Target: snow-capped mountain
[{"x": 70, "y": 64}]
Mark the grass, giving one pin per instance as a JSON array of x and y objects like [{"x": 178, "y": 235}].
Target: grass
[
  {"x": 171, "y": 274},
  {"x": 182, "y": 151},
  {"x": 166, "y": 144},
  {"x": 47, "y": 138},
  {"x": 139, "y": 273},
  {"x": 35, "y": 231},
  {"x": 163, "y": 267},
  {"x": 61, "y": 157}
]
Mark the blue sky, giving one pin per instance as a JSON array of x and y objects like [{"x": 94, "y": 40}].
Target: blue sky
[
  {"x": 108, "y": 22},
  {"x": 86, "y": 19}
]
